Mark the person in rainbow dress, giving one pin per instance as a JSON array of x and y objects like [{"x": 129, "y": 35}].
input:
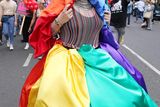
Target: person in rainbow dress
[{"x": 81, "y": 65}]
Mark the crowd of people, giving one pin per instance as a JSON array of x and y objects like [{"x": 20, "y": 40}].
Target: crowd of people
[
  {"x": 143, "y": 10},
  {"x": 17, "y": 19}
]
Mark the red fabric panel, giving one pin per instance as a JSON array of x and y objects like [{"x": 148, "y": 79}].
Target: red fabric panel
[
  {"x": 41, "y": 38},
  {"x": 34, "y": 75}
]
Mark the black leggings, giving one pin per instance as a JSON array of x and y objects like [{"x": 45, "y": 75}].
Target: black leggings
[
  {"x": 26, "y": 25},
  {"x": 145, "y": 20},
  {"x": 1, "y": 33}
]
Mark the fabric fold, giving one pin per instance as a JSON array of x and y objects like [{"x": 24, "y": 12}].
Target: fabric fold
[
  {"x": 109, "y": 84},
  {"x": 63, "y": 81},
  {"x": 32, "y": 78},
  {"x": 122, "y": 60}
]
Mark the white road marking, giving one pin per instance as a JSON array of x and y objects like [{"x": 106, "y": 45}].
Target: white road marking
[
  {"x": 143, "y": 60},
  {"x": 26, "y": 63}
]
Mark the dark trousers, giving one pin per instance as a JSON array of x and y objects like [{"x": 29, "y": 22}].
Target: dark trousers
[
  {"x": 128, "y": 18},
  {"x": 1, "y": 33},
  {"x": 26, "y": 25},
  {"x": 139, "y": 14},
  {"x": 147, "y": 21}
]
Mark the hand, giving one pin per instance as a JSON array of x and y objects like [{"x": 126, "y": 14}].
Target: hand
[
  {"x": 29, "y": 30},
  {"x": 15, "y": 23},
  {"x": 65, "y": 15},
  {"x": 107, "y": 16}
]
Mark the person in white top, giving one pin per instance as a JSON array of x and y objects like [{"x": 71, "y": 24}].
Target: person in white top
[
  {"x": 8, "y": 17},
  {"x": 149, "y": 7},
  {"x": 140, "y": 9}
]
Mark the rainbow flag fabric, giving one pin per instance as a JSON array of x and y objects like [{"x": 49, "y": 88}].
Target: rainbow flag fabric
[{"x": 86, "y": 77}]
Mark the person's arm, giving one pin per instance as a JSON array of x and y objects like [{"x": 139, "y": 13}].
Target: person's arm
[
  {"x": 15, "y": 23},
  {"x": 32, "y": 21},
  {"x": 15, "y": 14},
  {"x": 107, "y": 16},
  {"x": 1, "y": 13},
  {"x": 62, "y": 18}
]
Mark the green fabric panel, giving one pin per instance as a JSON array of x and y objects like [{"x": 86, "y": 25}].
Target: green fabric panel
[{"x": 109, "y": 84}]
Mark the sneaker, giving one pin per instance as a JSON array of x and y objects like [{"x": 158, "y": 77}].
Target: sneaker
[
  {"x": 128, "y": 26},
  {"x": 135, "y": 21},
  {"x": 121, "y": 40},
  {"x": 149, "y": 29},
  {"x": 27, "y": 46},
  {"x": 8, "y": 43},
  {"x": 11, "y": 47},
  {"x": 1, "y": 43},
  {"x": 40, "y": 57},
  {"x": 143, "y": 25}
]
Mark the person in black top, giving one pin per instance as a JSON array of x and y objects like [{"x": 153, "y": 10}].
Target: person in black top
[{"x": 118, "y": 18}]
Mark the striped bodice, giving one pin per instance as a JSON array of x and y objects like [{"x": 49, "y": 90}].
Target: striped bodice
[{"x": 83, "y": 28}]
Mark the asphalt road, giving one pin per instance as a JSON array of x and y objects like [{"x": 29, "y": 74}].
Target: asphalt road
[
  {"x": 144, "y": 53},
  {"x": 14, "y": 66}
]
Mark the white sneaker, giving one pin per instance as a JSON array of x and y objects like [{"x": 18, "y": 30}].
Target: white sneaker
[
  {"x": 149, "y": 28},
  {"x": 27, "y": 46},
  {"x": 11, "y": 47},
  {"x": 40, "y": 57},
  {"x": 8, "y": 43}
]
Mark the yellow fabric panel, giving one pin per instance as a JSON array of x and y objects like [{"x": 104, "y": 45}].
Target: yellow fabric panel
[
  {"x": 63, "y": 82},
  {"x": 33, "y": 94}
]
